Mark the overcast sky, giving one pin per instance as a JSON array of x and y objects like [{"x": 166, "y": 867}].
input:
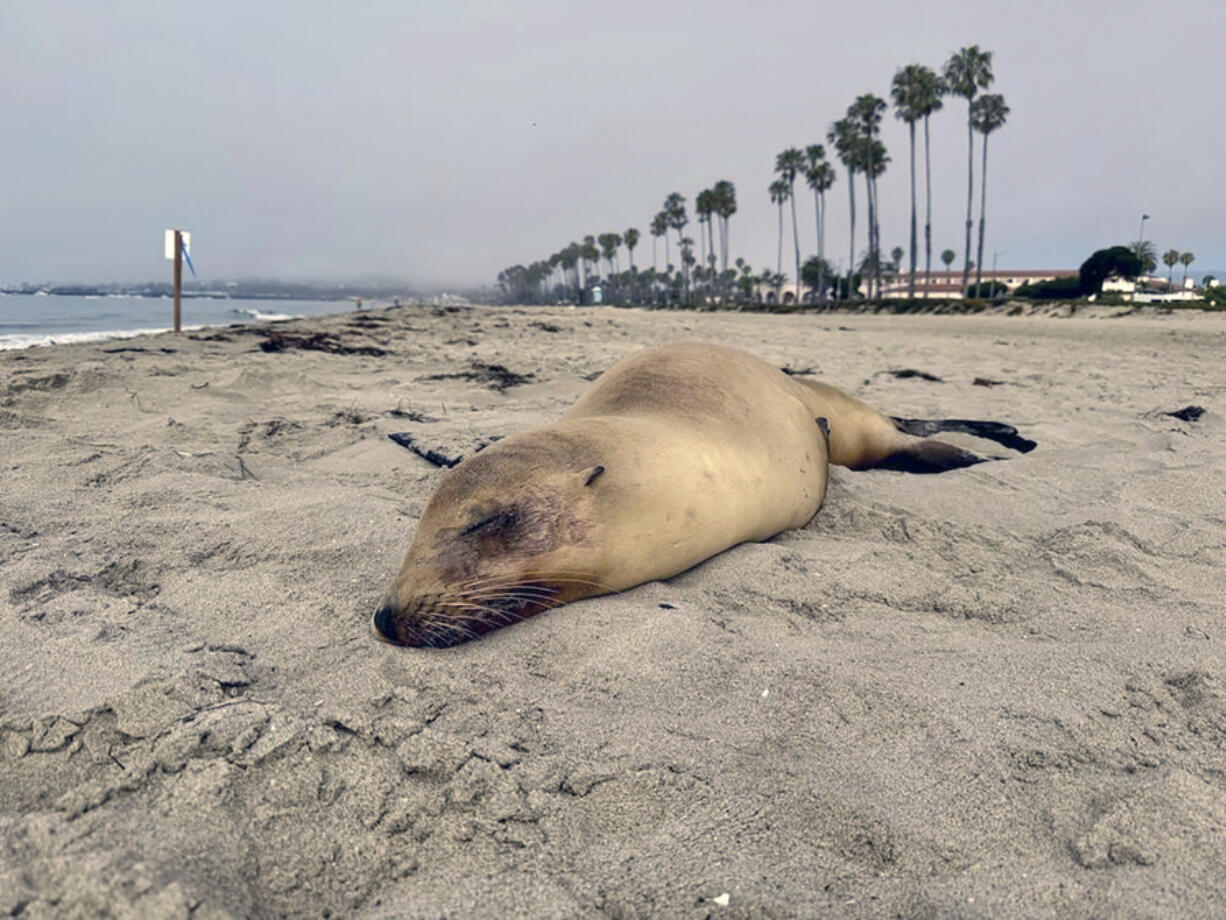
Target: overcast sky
[{"x": 439, "y": 142}]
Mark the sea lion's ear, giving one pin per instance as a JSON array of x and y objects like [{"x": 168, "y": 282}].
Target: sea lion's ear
[{"x": 590, "y": 476}]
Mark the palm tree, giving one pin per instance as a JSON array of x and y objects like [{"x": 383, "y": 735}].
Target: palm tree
[
  {"x": 875, "y": 161},
  {"x": 820, "y": 176},
  {"x": 897, "y": 254},
  {"x": 609, "y": 244},
  {"x": 570, "y": 261},
  {"x": 1169, "y": 258},
  {"x": 987, "y": 114},
  {"x": 725, "y": 207},
  {"x": 674, "y": 210},
  {"x": 789, "y": 164},
  {"x": 687, "y": 261},
  {"x": 745, "y": 278},
  {"x": 631, "y": 237},
  {"x": 659, "y": 228},
  {"x": 580, "y": 267},
  {"x": 948, "y": 257},
  {"x": 1148, "y": 255},
  {"x": 1185, "y": 260},
  {"x": 591, "y": 256},
  {"x": 844, "y": 137},
  {"x": 704, "y": 206},
  {"x": 555, "y": 265},
  {"x": 928, "y": 100},
  {"x": 866, "y": 111},
  {"x": 779, "y": 194},
  {"x": 707, "y": 204},
  {"x": 912, "y": 94},
  {"x": 967, "y": 72}
]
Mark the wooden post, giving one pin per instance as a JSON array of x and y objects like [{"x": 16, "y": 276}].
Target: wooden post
[{"x": 178, "y": 281}]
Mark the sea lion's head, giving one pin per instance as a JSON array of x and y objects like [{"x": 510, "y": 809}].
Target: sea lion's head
[{"x": 508, "y": 533}]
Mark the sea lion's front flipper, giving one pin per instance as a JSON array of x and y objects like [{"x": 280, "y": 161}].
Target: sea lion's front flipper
[
  {"x": 929, "y": 456},
  {"x": 1002, "y": 434}
]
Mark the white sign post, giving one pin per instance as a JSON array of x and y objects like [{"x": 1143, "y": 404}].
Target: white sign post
[{"x": 175, "y": 243}]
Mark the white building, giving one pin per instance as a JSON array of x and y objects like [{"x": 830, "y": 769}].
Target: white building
[
  {"x": 948, "y": 285},
  {"x": 1151, "y": 289}
]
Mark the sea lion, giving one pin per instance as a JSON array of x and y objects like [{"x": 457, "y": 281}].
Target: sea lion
[{"x": 674, "y": 454}]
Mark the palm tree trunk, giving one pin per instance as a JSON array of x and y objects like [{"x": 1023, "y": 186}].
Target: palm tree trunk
[
  {"x": 817, "y": 217},
  {"x": 817, "y": 229},
  {"x": 851, "y": 257},
  {"x": 983, "y": 204},
  {"x": 795, "y": 238},
  {"x": 911, "y": 280},
  {"x": 970, "y": 196},
  {"x": 876, "y": 238},
  {"x": 821, "y": 246},
  {"x": 723, "y": 252},
  {"x": 685, "y": 269},
  {"x": 779, "y": 259},
  {"x": 927, "y": 211},
  {"x": 872, "y": 242}
]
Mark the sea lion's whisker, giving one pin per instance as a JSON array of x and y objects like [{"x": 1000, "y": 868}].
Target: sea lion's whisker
[
  {"x": 484, "y": 614},
  {"x": 576, "y": 576},
  {"x": 552, "y": 580},
  {"x": 478, "y": 583},
  {"x": 472, "y": 608},
  {"x": 488, "y": 580},
  {"x": 500, "y": 590}
]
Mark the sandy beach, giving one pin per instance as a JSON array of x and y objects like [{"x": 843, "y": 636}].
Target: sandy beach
[{"x": 1000, "y": 691}]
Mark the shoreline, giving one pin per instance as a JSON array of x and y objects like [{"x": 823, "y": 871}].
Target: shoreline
[{"x": 82, "y": 316}]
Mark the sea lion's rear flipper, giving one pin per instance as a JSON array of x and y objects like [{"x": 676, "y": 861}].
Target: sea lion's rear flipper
[
  {"x": 1002, "y": 434},
  {"x": 929, "y": 456}
]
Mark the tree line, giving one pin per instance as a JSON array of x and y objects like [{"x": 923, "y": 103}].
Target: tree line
[{"x": 917, "y": 93}]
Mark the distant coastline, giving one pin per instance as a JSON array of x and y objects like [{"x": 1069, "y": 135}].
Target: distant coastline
[{"x": 226, "y": 290}]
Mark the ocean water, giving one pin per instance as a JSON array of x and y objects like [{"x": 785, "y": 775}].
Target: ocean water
[{"x": 37, "y": 319}]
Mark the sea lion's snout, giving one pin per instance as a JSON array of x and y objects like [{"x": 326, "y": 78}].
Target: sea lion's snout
[{"x": 383, "y": 623}]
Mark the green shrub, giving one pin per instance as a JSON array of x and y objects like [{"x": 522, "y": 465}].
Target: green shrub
[
  {"x": 988, "y": 290},
  {"x": 1216, "y": 295},
  {"x": 1055, "y": 289}
]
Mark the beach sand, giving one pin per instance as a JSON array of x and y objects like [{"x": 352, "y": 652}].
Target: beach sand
[{"x": 995, "y": 692}]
